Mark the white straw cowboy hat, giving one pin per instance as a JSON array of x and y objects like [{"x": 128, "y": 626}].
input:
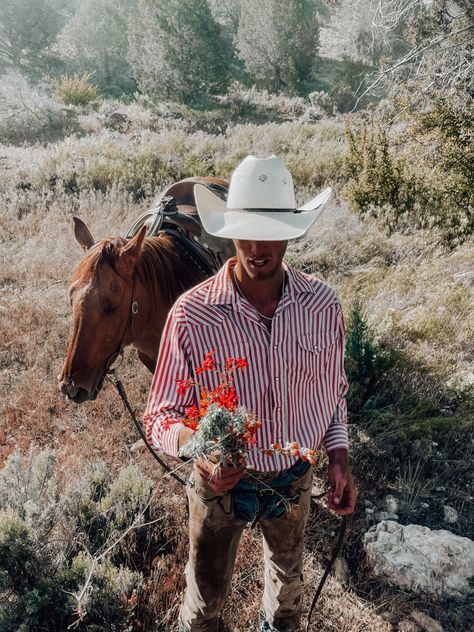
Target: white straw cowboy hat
[{"x": 260, "y": 204}]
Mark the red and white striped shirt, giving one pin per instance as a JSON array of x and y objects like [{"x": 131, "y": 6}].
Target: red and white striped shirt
[{"x": 295, "y": 382}]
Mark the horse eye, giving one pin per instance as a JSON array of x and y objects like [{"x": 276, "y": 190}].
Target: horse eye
[
  {"x": 114, "y": 287},
  {"x": 109, "y": 309}
]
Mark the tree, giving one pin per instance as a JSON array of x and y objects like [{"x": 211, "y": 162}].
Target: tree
[
  {"x": 95, "y": 40},
  {"x": 28, "y": 28},
  {"x": 177, "y": 50},
  {"x": 278, "y": 41},
  {"x": 440, "y": 56}
]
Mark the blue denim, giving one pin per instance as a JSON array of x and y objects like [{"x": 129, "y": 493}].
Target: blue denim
[
  {"x": 264, "y": 625},
  {"x": 266, "y": 500}
]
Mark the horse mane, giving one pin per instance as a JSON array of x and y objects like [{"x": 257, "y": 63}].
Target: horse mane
[
  {"x": 164, "y": 269},
  {"x": 159, "y": 266}
]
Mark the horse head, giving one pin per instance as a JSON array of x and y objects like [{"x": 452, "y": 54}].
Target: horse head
[{"x": 103, "y": 305}]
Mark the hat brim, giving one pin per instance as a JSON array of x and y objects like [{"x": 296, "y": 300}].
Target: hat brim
[{"x": 258, "y": 225}]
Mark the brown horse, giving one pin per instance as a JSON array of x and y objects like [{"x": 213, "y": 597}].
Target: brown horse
[{"x": 121, "y": 293}]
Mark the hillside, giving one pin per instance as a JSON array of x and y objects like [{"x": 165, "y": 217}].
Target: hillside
[{"x": 411, "y": 419}]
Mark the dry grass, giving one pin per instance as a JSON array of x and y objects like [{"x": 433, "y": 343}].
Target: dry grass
[{"x": 416, "y": 295}]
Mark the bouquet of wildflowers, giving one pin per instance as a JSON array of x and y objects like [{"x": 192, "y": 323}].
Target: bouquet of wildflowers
[{"x": 222, "y": 426}]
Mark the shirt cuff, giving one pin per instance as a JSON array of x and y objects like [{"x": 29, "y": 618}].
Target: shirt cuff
[
  {"x": 336, "y": 437},
  {"x": 170, "y": 439}
]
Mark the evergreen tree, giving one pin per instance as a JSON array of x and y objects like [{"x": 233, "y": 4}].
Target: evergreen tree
[
  {"x": 28, "y": 28},
  {"x": 95, "y": 40},
  {"x": 278, "y": 42},
  {"x": 177, "y": 50}
]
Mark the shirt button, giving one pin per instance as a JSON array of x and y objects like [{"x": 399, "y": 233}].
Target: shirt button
[
  {"x": 315, "y": 346},
  {"x": 277, "y": 378},
  {"x": 275, "y": 347}
]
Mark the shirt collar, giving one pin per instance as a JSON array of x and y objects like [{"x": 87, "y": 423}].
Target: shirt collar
[{"x": 221, "y": 290}]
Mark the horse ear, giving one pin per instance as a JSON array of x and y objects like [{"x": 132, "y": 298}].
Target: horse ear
[
  {"x": 134, "y": 245},
  {"x": 82, "y": 234}
]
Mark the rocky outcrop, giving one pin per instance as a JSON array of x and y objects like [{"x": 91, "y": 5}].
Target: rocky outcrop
[{"x": 418, "y": 558}]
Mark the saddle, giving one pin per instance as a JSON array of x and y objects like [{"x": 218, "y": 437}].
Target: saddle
[{"x": 174, "y": 213}]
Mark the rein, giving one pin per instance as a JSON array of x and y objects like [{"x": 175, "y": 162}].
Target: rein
[{"x": 123, "y": 396}]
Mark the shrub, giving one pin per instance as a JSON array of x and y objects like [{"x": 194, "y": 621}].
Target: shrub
[
  {"x": 446, "y": 126},
  {"x": 257, "y": 105},
  {"x": 424, "y": 179},
  {"x": 54, "y": 550},
  {"x": 75, "y": 89},
  {"x": 366, "y": 362},
  {"x": 321, "y": 99},
  {"x": 149, "y": 160},
  {"x": 378, "y": 183},
  {"x": 28, "y": 116},
  {"x": 101, "y": 507}
]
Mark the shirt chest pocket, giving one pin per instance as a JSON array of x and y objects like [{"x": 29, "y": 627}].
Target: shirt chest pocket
[{"x": 314, "y": 352}]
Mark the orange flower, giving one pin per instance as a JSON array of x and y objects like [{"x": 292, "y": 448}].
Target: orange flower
[
  {"x": 241, "y": 363},
  {"x": 228, "y": 399},
  {"x": 191, "y": 423},
  {"x": 209, "y": 363},
  {"x": 192, "y": 412},
  {"x": 183, "y": 386}
]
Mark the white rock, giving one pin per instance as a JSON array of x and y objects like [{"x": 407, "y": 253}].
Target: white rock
[
  {"x": 424, "y": 505},
  {"x": 421, "y": 559},
  {"x": 369, "y": 510},
  {"x": 391, "y": 504},
  {"x": 426, "y": 623},
  {"x": 450, "y": 514}
]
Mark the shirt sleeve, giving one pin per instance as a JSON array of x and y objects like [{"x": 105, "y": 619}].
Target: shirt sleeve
[
  {"x": 336, "y": 435},
  {"x": 166, "y": 407}
]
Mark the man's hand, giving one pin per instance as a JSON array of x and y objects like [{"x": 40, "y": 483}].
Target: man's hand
[
  {"x": 219, "y": 478},
  {"x": 342, "y": 494}
]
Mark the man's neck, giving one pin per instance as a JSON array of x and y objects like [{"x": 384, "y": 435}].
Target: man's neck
[{"x": 264, "y": 294}]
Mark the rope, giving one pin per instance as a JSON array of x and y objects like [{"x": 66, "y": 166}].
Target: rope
[
  {"x": 123, "y": 396},
  {"x": 335, "y": 553}
]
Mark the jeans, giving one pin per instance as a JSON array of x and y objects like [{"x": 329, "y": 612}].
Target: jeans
[{"x": 216, "y": 523}]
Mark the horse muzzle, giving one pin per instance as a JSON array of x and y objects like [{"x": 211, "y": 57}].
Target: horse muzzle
[{"x": 78, "y": 393}]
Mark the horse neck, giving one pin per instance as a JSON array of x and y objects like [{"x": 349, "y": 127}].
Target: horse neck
[{"x": 161, "y": 278}]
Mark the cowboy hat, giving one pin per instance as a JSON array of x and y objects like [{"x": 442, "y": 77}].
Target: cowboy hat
[{"x": 260, "y": 204}]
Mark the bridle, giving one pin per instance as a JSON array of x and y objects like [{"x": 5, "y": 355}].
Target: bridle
[
  {"x": 110, "y": 374},
  {"x": 132, "y": 312}
]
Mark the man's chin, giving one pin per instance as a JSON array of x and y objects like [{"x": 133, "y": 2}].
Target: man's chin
[{"x": 261, "y": 275}]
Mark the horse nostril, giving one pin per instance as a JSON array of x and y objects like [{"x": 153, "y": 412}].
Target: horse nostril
[
  {"x": 67, "y": 388},
  {"x": 81, "y": 395}
]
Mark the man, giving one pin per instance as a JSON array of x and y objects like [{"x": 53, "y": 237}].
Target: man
[{"x": 290, "y": 328}]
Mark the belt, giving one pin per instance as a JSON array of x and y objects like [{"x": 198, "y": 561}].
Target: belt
[{"x": 254, "y": 476}]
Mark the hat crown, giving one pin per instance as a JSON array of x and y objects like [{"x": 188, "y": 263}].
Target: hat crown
[{"x": 261, "y": 183}]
